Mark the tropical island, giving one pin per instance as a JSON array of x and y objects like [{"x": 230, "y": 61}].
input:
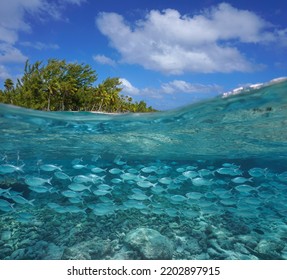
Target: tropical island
[{"x": 61, "y": 86}]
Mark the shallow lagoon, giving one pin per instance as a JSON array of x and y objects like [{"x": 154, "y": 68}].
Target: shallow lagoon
[{"x": 209, "y": 178}]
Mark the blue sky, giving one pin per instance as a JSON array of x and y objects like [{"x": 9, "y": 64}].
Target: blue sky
[{"x": 169, "y": 53}]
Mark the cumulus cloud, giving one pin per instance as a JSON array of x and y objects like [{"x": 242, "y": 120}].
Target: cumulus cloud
[
  {"x": 128, "y": 88},
  {"x": 171, "y": 94},
  {"x": 171, "y": 88},
  {"x": 180, "y": 86},
  {"x": 8, "y": 53},
  {"x": 102, "y": 59},
  {"x": 172, "y": 43},
  {"x": 40, "y": 46},
  {"x": 4, "y": 73},
  {"x": 13, "y": 20},
  {"x": 77, "y": 2},
  {"x": 13, "y": 15}
]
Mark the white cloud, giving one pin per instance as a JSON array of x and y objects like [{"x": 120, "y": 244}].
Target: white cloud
[
  {"x": 180, "y": 86},
  {"x": 76, "y": 2},
  {"x": 8, "y": 53},
  {"x": 4, "y": 73},
  {"x": 282, "y": 34},
  {"x": 173, "y": 43},
  {"x": 128, "y": 88},
  {"x": 13, "y": 20},
  {"x": 102, "y": 59},
  {"x": 40, "y": 45},
  {"x": 171, "y": 88}
]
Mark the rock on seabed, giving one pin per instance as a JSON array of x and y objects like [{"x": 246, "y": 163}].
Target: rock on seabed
[{"x": 150, "y": 244}]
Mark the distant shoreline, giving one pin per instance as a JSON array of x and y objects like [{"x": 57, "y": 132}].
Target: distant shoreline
[{"x": 105, "y": 113}]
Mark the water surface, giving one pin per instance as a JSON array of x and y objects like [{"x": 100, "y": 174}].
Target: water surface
[{"x": 211, "y": 177}]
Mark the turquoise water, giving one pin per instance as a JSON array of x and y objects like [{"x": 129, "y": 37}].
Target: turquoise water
[{"x": 210, "y": 177}]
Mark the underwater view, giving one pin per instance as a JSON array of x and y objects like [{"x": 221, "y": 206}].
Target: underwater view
[{"x": 203, "y": 182}]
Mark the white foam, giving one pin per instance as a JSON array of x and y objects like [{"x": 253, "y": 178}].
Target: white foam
[{"x": 253, "y": 86}]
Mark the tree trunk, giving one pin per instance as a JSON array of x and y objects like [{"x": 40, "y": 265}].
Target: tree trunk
[
  {"x": 100, "y": 107},
  {"x": 49, "y": 100}
]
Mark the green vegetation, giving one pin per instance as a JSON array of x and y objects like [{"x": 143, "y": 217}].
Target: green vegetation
[{"x": 59, "y": 86}]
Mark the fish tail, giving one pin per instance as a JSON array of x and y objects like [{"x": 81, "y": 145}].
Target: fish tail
[
  {"x": 8, "y": 191},
  {"x": 31, "y": 202},
  {"x": 103, "y": 178},
  {"x": 49, "y": 181},
  {"x": 20, "y": 168}
]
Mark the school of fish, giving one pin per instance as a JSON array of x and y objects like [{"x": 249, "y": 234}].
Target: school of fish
[{"x": 186, "y": 190}]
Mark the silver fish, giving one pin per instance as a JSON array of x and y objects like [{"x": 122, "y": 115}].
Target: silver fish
[
  {"x": 101, "y": 192},
  {"x": 204, "y": 172},
  {"x": 5, "y": 203},
  {"x": 165, "y": 180},
  {"x": 104, "y": 187},
  {"x": 79, "y": 166},
  {"x": 158, "y": 189},
  {"x": 136, "y": 190},
  {"x": 40, "y": 189},
  {"x": 75, "y": 200},
  {"x": 201, "y": 182},
  {"x": 50, "y": 167},
  {"x": 128, "y": 176},
  {"x": 115, "y": 171},
  {"x": 190, "y": 174},
  {"x": 257, "y": 172},
  {"x": 133, "y": 171},
  {"x": 95, "y": 178},
  {"x": 9, "y": 168},
  {"x": 145, "y": 184},
  {"x": 98, "y": 170},
  {"x": 7, "y": 208},
  {"x": 139, "y": 196},
  {"x": 244, "y": 188},
  {"x": 36, "y": 181},
  {"x": 77, "y": 187},
  {"x": 62, "y": 176},
  {"x": 22, "y": 200},
  {"x": 194, "y": 195},
  {"x": 116, "y": 181},
  {"x": 229, "y": 171},
  {"x": 178, "y": 198},
  {"x": 149, "y": 169},
  {"x": 241, "y": 180},
  {"x": 83, "y": 179},
  {"x": 69, "y": 193}
]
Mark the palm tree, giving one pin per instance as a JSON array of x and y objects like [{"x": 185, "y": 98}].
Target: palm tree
[
  {"x": 9, "y": 88},
  {"x": 9, "y": 85}
]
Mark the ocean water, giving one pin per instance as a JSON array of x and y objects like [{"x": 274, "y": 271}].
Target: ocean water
[{"x": 210, "y": 179}]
